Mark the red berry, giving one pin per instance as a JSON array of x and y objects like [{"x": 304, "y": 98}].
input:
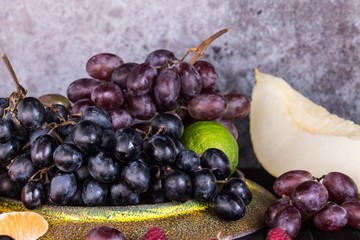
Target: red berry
[
  {"x": 154, "y": 233},
  {"x": 277, "y": 234}
]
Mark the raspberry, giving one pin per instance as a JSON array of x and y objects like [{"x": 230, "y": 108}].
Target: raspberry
[
  {"x": 277, "y": 234},
  {"x": 154, "y": 233}
]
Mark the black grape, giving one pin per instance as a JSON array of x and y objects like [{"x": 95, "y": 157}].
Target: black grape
[
  {"x": 5, "y": 130},
  {"x": 136, "y": 175},
  {"x": 42, "y": 150},
  {"x": 67, "y": 157},
  {"x": 87, "y": 135},
  {"x": 187, "y": 160},
  {"x": 204, "y": 185},
  {"x": 97, "y": 115},
  {"x": 22, "y": 168},
  {"x": 8, "y": 151},
  {"x": 177, "y": 186},
  {"x": 30, "y": 112},
  {"x": 239, "y": 187},
  {"x": 121, "y": 194},
  {"x": 32, "y": 195},
  {"x": 94, "y": 193},
  {"x": 128, "y": 144},
  {"x": 228, "y": 206},
  {"x": 103, "y": 167},
  {"x": 161, "y": 149},
  {"x": 169, "y": 124},
  {"x": 63, "y": 188},
  {"x": 217, "y": 161}
]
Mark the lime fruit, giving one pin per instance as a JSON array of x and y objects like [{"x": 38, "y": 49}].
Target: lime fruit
[{"x": 202, "y": 135}]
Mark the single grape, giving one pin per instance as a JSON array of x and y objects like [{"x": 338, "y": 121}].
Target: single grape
[
  {"x": 63, "y": 188},
  {"x": 160, "y": 57},
  {"x": 18, "y": 130},
  {"x": 168, "y": 124},
  {"x": 228, "y": 206},
  {"x": 121, "y": 73},
  {"x": 166, "y": 90},
  {"x": 353, "y": 210},
  {"x": 191, "y": 83},
  {"x": 217, "y": 161},
  {"x": 177, "y": 186},
  {"x": 273, "y": 210},
  {"x": 128, "y": 144},
  {"x": 229, "y": 125},
  {"x": 42, "y": 150},
  {"x": 209, "y": 77},
  {"x": 161, "y": 149},
  {"x": 80, "y": 106},
  {"x": 30, "y": 112},
  {"x": 56, "y": 113},
  {"x": 107, "y": 96},
  {"x": 104, "y": 233},
  {"x": 187, "y": 160},
  {"x": 22, "y": 168},
  {"x": 310, "y": 196},
  {"x": 122, "y": 195},
  {"x": 98, "y": 116},
  {"x": 102, "y": 65},
  {"x": 140, "y": 79},
  {"x": 32, "y": 195},
  {"x": 6, "y": 237},
  {"x": 5, "y": 130},
  {"x": 103, "y": 167},
  {"x": 108, "y": 140},
  {"x": 120, "y": 118},
  {"x": 155, "y": 193},
  {"x": 77, "y": 199},
  {"x": 82, "y": 173},
  {"x": 239, "y": 187},
  {"x": 288, "y": 181},
  {"x": 87, "y": 135},
  {"x": 207, "y": 106},
  {"x": 8, "y": 151},
  {"x": 94, "y": 193},
  {"x": 288, "y": 219},
  {"x": 203, "y": 184},
  {"x": 331, "y": 218},
  {"x": 67, "y": 157},
  {"x": 341, "y": 187},
  {"x": 238, "y": 106},
  {"x": 136, "y": 174},
  {"x": 141, "y": 107},
  {"x": 81, "y": 89},
  {"x": 8, "y": 187}
]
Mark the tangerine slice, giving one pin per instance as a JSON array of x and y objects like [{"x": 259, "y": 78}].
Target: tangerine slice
[{"x": 23, "y": 225}]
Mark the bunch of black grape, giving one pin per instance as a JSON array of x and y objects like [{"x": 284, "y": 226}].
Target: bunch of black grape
[
  {"x": 133, "y": 93},
  {"x": 330, "y": 201},
  {"x": 83, "y": 161}
]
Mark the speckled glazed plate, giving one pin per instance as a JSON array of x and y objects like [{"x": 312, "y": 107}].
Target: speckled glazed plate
[{"x": 190, "y": 220}]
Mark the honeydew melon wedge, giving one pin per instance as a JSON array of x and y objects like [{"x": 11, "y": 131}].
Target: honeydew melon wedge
[
  {"x": 189, "y": 220},
  {"x": 289, "y": 131}
]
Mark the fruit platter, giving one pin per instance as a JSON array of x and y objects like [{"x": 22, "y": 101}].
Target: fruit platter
[{"x": 149, "y": 150}]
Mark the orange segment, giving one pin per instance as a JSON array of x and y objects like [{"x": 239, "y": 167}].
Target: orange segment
[{"x": 23, "y": 225}]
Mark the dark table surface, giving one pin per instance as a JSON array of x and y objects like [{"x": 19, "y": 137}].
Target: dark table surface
[{"x": 308, "y": 230}]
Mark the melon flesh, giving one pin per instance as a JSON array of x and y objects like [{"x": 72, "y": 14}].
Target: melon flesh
[{"x": 289, "y": 132}]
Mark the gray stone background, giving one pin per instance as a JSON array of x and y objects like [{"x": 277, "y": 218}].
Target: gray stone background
[{"x": 313, "y": 44}]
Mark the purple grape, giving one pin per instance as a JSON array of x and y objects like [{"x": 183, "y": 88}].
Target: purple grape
[
  {"x": 177, "y": 185},
  {"x": 107, "y": 96},
  {"x": 288, "y": 219},
  {"x": 207, "y": 106},
  {"x": 81, "y": 89},
  {"x": 141, "y": 107},
  {"x": 104, "y": 233},
  {"x": 166, "y": 90},
  {"x": 229, "y": 206},
  {"x": 190, "y": 80},
  {"x": 120, "y": 118},
  {"x": 81, "y": 105},
  {"x": 341, "y": 187},
  {"x": 288, "y": 181},
  {"x": 102, "y": 65},
  {"x": 331, "y": 218},
  {"x": 353, "y": 210},
  {"x": 160, "y": 57},
  {"x": 120, "y": 74},
  {"x": 209, "y": 77},
  {"x": 238, "y": 106},
  {"x": 140, "y": 79},
  {"x": 310, "y": 196},
  {"x": 273, "y": 210}
]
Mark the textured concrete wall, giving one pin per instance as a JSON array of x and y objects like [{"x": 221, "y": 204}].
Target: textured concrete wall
[{"x": 313, "y": 44}]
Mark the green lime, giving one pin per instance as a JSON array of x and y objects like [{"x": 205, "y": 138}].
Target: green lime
[{"x": 202, "y": 135}]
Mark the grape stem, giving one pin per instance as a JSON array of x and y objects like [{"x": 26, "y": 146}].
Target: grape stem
[
  {"x": 19, "y": 88},
  {"x": 198, "y": 51}
]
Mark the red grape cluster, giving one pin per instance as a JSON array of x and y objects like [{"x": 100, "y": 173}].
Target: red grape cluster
[
  {"x": 330, "y": 201},
  {"x": 136, "y": 92}
]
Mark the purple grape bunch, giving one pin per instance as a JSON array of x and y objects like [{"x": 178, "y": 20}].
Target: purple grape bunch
[{"x": 331, "y": 202}]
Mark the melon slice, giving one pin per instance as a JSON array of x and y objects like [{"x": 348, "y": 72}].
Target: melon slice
[{"x": 288, "y": 132}]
